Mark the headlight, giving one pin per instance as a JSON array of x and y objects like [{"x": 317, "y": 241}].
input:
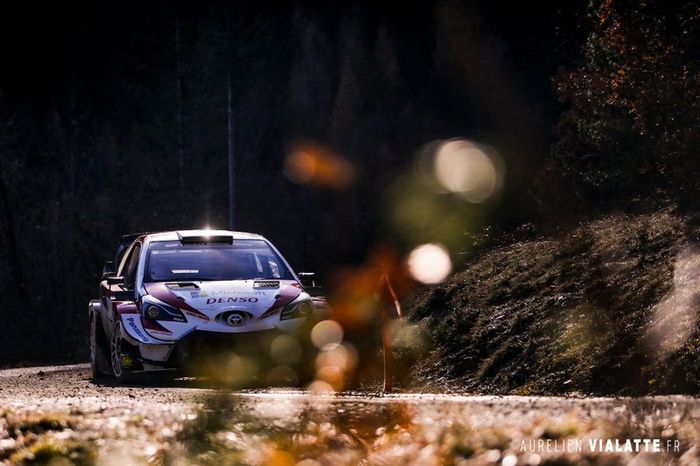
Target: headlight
[
  {"x": 300, "y": 310},
  {"x": 160, "y": 311},
  {"x": 152, "y": 311}
]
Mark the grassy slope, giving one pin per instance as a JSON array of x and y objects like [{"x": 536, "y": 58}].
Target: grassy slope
[{"x": 571, "y": 313}]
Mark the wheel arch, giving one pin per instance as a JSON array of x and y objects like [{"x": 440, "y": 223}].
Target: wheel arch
[{"x": 94, "y": 307}]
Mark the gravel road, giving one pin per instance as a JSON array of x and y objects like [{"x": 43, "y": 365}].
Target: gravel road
[{"x": 57, "y": 415}]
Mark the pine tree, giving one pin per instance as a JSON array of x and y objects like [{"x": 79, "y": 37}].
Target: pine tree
[{"x": 632, "y": 128}]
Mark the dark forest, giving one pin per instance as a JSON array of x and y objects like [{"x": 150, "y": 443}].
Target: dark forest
[{"x": 118, "y": 117}]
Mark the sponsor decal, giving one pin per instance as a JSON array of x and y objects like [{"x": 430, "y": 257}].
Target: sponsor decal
[
  {"x": 152, "y": 326},
  {"x": 198, "y": 315},
  {"x": 206, "y": 294},
  {"x": 238, "y": 299},
  {"x": 134, "y": 327},
  {"x": 233, "y": 293}
]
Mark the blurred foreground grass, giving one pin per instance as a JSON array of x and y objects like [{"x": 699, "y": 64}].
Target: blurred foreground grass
[{"x": 281, "y": 428}]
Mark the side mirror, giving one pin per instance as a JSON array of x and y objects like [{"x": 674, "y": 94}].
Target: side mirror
[
  {"x": 108, "y": 269},
  {"x": 114, "y": 280},
  {"x": 308, "y": 281},
  {"x": 307, "y": 278}
]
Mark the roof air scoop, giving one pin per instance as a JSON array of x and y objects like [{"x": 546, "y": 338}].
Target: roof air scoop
[
  {"x": 202, "y": 237},
  {"x": 183, "y": 285}
]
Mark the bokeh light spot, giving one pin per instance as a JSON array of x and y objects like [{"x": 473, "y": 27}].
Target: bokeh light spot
[
  {"x": 406, "y": 335},
  {"x": 330, "y": 374},
  {"x": 280, "y": 458},
  {"x": 314, "y": 164},
  {"x": 308, "y": 462},
  {"x": 467, "y": 169},
  {"x": 675, "y": 317},
  {"x": 285, "y": 349},
  {"x": 319, "y": 386},
  {"x": 429, "y": 263},
  {"x": 326, "y": 334},
  {"x": 300, "y": 167}
]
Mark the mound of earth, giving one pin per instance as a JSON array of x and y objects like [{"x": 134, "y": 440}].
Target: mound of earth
[{"x": 608, "y": 308}]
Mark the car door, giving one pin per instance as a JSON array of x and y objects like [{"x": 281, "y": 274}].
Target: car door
[{"x": 118, "y": 294}]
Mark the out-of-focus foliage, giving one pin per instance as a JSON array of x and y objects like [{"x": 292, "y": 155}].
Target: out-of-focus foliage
[{"x": 632, "y": 128}]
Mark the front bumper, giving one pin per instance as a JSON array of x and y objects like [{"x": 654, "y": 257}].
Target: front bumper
[
  {"x": 214, "y": 353},
  {"x": 201, "y": 344}
]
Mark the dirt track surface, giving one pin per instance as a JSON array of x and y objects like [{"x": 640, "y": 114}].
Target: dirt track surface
[{"x": 58, "y": 416}]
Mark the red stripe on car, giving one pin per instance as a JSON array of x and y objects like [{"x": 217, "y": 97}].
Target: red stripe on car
[
  {"x": 286, "y": 295},
  {"x": 162, "y": 292}
]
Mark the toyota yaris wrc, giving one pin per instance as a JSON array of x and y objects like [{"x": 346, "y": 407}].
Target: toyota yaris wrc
[{"x": 177, "y": 295}]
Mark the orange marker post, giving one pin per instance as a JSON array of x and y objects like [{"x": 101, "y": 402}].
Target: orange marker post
[{"x": 386, "y": 334}]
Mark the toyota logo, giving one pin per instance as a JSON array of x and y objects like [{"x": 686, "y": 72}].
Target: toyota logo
[{"x": 235, "y": 320}]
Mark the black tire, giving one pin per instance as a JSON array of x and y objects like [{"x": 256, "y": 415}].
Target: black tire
[
  {"x": 98, "y": 361},
  {"x": 115, "y": 351}
]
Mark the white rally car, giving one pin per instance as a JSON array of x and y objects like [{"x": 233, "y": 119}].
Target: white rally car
[{"x": 177, "y": 294}]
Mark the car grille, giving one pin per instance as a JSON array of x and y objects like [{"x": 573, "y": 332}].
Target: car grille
[{"x": 201, "y": 342}]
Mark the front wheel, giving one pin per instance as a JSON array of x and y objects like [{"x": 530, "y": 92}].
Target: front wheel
[{"x": 115, "y": 351}]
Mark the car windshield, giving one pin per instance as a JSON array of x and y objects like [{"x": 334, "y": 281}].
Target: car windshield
[{"x": 242, "y": 260}]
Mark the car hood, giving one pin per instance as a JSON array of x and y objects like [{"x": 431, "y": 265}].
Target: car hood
[{"x": 206, "y": 300}]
